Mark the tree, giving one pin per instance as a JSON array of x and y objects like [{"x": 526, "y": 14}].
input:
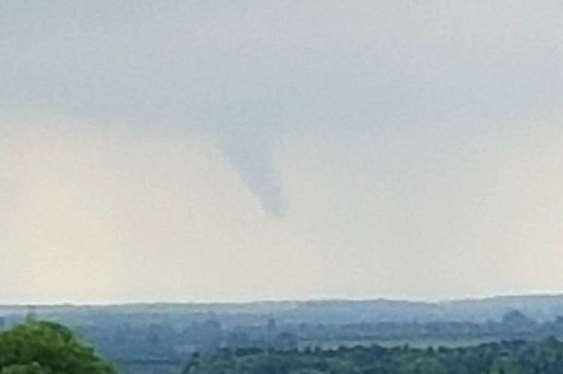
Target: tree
[{"x": 47, "y": 348}]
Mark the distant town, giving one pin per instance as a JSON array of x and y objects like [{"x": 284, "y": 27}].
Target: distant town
[{"x": 161, "y": 337}]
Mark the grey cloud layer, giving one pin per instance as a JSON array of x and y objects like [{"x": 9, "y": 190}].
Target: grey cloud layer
[{"x": 245, "y": 73}]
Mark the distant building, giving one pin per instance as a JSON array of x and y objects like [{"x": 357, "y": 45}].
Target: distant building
[
  {"x": 285, "y": 341},
  {"x": 31, "y": 313},
  {"x": 516, "y": 318},
  {"x": 206, "y": 336},
  {"x": 271, "y": 330}
]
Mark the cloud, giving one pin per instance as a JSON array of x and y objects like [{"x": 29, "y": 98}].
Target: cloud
[
  {"x": 254, "y": 164},
  {"x": 387, "y": 135},
  {"x": 246, "y": 73}
]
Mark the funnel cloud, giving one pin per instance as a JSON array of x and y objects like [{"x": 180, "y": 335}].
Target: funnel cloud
[
  {"x": 256, "y": 168},
  {"x": 365, "y": 148}
]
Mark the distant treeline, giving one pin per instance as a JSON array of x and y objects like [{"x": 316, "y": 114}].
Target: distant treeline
[
  {"x": 132, "y": 340},
  {"x": 510, "y": 357},
  {"x": 147, "y": 342}
]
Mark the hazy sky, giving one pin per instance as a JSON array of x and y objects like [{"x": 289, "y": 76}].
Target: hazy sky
[{"x": 236, "y": 150}]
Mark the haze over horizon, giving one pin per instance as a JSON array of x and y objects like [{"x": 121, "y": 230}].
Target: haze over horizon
[
  {"x": 188, "y": 150},
  {"x": 514, "y": 297}
]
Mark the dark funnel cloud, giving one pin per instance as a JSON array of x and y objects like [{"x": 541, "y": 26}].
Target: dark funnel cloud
[{"x": 254, "y": 164}]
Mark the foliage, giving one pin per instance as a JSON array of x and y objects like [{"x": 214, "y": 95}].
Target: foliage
[
  {"x": 47, "y": 348},
  {"x": 511, "y": 357}
]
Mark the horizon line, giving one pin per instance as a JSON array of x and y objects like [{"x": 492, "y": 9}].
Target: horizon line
[{"x": 286, "y": 300}]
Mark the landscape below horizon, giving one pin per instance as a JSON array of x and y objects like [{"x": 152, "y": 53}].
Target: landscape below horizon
[{"x": 163, "y": 337}]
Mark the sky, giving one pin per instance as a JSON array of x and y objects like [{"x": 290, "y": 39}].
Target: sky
[{"x": 232, "y": 151}]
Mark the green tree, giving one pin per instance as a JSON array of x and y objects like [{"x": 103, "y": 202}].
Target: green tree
[{"x": 47, "y": 348}]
